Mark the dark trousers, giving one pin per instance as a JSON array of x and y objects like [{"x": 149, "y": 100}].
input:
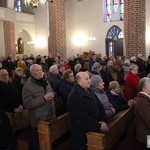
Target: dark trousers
[{"x": 35, "y": 139}]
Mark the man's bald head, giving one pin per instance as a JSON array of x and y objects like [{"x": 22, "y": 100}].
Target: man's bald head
[{"x": 83, "y": 79}]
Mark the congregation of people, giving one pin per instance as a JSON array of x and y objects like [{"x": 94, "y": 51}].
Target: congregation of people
[{"x": 92, "y": 95}]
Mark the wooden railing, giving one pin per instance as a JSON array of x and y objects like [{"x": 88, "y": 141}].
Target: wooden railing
[
  {"x": 118, "y": 125},
  {"x": 51, "y": 131},
  {"x": 19, "y": 120}
]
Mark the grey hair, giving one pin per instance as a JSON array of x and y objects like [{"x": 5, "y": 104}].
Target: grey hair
[
  {"x": 133, "y": 58},
  {"x": 52, "y": 68},
  {"x": 77, "y": 67},
  {"x": 133, "y": 66},
  {"x": 95, "y": 66},
  {"x": 144, "y": 83},
  {"x": 127, "y": 61},
  {"x": 18, "y": 69},
  {"x": 148, "y": 75},
  {"x": 113, "y": 85}
]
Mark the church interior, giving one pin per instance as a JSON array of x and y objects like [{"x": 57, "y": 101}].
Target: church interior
[{"x": 65, "y": 29}]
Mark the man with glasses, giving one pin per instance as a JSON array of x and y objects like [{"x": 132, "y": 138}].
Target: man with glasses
[{"x": 8, "y": 101}]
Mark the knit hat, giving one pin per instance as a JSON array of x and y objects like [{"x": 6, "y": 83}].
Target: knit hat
[{"x": 95, "y": 80}]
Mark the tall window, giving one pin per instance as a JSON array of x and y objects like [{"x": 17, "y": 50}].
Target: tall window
[
  {"x": 121, "y": 10},
  {"x": 114, "y": 8},
  {"x": 108, "y": 10},
  {"x": 17, "y": 5}
]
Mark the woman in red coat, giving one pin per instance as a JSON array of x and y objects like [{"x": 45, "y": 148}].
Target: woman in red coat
[{"x": 131, "y": 83}]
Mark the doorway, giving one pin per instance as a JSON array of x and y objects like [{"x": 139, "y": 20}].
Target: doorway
[{"x": 114, "y": 42}]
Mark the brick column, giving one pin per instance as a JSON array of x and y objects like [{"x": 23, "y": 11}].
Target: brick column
[
  {"x": 9, "y": 38},
  {"x": 134, "y": 26},
  {"x": 57, "y": 38},
  {"x": 2, "y": 3}
]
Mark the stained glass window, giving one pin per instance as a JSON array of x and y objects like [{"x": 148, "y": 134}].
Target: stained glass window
[
  {"x": 113, "y": 7},
  {"x": 108, "y": 10},
  {"x": 114, "y": 33},
  {"x": 121, "y": 10}
]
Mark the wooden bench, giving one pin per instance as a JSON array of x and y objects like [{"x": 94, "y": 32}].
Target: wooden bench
[
  {"x": 19, "y": 120},
  {"x": 51, "y": 131},
  {"x": 118, "y": 125}
]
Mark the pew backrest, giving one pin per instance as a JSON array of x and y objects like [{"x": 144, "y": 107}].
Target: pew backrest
[
  {"x": 118, "y": 125},
  {"x": 51, "y": 131},
  {"x": 19, "y": 120}
]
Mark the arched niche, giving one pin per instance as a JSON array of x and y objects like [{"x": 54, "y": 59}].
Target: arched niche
[{"x": 23, "y": 42}]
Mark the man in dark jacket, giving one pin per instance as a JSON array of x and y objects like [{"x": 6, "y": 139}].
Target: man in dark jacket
[
  {"x": 116, "y": 99},
  {"x": 86, "y": 113},
  {"x": 66, "y": 86},
  {"x": 8, "y": 97}
]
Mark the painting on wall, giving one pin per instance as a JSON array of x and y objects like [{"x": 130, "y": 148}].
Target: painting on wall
[{"x": 20, "y": 45}]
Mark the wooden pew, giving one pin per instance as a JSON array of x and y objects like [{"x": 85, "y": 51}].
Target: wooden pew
[
  {"x": 19, "y": 120},
  {"x": 118, "y": 125},
  {"x": 51, "y": 131}
]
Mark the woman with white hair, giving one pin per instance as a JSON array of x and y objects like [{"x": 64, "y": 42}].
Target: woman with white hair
[
  {"x": 131, "y": 83},
  {"x": 96, "y": 68},
  {"x": 77, "y": 68},
  {"x": 142, "y": 109}
]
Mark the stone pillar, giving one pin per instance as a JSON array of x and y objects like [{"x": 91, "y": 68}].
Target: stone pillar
[
  {"x": 2, "y": 3},
  {"x": 57, "y": 38},
  {"x": 134, "y": 26},
  {"x": 9, "y": 38}
]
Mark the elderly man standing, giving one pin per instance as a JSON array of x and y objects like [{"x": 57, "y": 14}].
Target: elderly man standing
[
  {"x": 86, "y": 113},
  {"x": 38, "y": 97}
]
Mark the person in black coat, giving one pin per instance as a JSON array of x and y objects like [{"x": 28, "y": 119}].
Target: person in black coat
[
  {"x": 67, "y": 84},
  {"x": 8, "y": 100},
  {"x": 105, "y": 74},
  {"x": 116, "y": 99},
  {"x": 7, "y": 138},
  {"x": 79, "y": 60},
  {"x": 17, "y": 84},
  {"x": 54, "y": 78},
  {"x": 86, "y": 113}
]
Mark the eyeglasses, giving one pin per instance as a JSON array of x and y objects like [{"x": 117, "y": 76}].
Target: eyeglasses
[{"x": 4, "y": 75}]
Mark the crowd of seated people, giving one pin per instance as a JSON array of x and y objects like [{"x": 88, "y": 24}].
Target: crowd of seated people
[{"x": 61, "y": 79}]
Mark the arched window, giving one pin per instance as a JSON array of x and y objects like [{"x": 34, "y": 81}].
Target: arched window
[
  {"x": 114, "y": 10},
  {"x": 114, "y": 42}
]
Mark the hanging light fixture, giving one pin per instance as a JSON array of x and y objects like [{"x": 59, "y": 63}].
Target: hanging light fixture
[{"x": 34, "y": 3}]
